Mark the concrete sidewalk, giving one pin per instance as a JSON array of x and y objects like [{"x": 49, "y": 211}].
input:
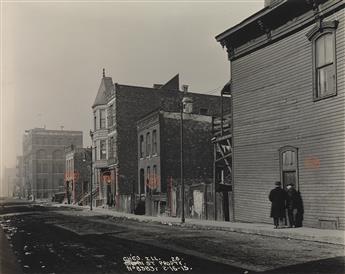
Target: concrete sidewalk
[{"x": 301, "y": 233}]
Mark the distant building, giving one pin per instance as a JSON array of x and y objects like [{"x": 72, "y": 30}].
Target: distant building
[
  {"x": 288, "y": 98},
  {"x": 44, "y": 159},
  {"x": 78, "y": 174},
  {"x": 116, "y": 110},
  {"x": 9, "y": 181},
  {"x": 159, "y": 163},
  {"x": 19, "y": 189}
]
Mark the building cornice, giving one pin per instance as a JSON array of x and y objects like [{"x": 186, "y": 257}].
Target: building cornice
[{"x": 263, "y": 30}]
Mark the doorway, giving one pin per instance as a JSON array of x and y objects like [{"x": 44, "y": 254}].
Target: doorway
[{"x": 288, "y": 157}]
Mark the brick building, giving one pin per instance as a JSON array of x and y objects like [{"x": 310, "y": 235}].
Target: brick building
[
  {"x": 9, "y": 181},
  {"x": 44, "y": 159},
  {"x": 77, "y": 174},
  {"x": 159, "y": 164},
  {"x": 288, "y": 98},
  {"x": 125, "y": 105}
]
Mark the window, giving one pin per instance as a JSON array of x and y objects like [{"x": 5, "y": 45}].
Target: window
[
  {"x": 39, "y": 167},
  {"x": 148, "y": 144},
  {"x": 60, "y": 167},
  {"x": 324, "y": 65},
  {"x": 111, "y": 147},
  {"x": 44, "y": 166},
  {"x": 41, "y": 154},
  {"x": 110, "y": 115},
  {"x": 324, "y": 59},
  {"x": 113, "y": 114},
  {"x": 148, "y": 176},
  {"x": 203, "y": 111},
  {"x": 141, "y": 146},
  {"x": 94, "y": 121},
  {"x": 154, "y": 142},
  {"x": 102, "y": 118},
  {"x": 288, "y": 157},
  {"x": 41, "y": 162},
  {"x": 154, "y": 177},
  {"x": 141, "y": 181},
  {"x": 103, "y": 151}
]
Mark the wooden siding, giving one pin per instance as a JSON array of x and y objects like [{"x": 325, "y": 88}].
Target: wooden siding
[{"x": 273, "y": 107}]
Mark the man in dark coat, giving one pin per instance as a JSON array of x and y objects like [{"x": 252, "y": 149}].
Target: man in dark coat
[
  {"x": 294, "y": 206},
  {"x": 277, "y": 197}
]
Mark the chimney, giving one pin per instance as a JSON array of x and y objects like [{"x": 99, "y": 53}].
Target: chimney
[
  {"x": 185, "y": 88},
  {"x": 187, "y": 105}
]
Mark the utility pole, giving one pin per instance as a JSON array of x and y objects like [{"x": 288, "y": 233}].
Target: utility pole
[
  {"x": 91, "y": 173},
  {"x": 182, "y": 179}
]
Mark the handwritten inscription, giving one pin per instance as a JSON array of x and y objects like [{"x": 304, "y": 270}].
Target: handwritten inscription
[{"x": 155, "y": 264}]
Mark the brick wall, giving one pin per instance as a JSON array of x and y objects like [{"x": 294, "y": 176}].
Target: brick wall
[
  {"x": 197, "y": 147},
  {"x": 133, "y": 103}
]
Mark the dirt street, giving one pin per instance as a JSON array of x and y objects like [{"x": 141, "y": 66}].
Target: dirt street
[{"x": 51, "y": 240}]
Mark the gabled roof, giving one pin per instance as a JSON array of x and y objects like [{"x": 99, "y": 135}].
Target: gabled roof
[
  {"x": 172, "y": 84},
  {"x": 105, "y": 88}
]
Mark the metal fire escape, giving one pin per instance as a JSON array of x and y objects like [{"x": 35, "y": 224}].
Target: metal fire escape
[{"x": 222, "y": 165}]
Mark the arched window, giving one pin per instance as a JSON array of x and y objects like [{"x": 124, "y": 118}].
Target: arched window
[
  {"x": 41, "y": 162},
  {"x": 148, "y": 144},
  {"x": 323, "y": 41},
  {"x": 141, "y": 146},
  {"x": 141, "y": 181},
  {"x": 288, "y": 158}
]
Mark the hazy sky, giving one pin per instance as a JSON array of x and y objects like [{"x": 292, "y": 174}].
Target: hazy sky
[{"x": 53, "y": 54}]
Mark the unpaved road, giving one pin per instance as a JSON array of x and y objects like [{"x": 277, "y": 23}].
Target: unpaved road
[{"x": 47, "y": 239}]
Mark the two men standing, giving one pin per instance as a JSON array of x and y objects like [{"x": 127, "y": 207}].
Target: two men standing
[
  {"x": 294, "y": 206},
  {"x": 282, "y": 200}
]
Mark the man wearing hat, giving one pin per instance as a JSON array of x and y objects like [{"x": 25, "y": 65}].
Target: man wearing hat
[
  {"x": 277, "y": 197},
  {"x": 294, "y": 206}
]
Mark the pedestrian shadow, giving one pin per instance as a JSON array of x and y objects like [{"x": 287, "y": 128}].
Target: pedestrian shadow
[{"x": 335, "y": 265}]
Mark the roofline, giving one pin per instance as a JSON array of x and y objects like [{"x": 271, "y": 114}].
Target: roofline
[
  {"x": 133, "y": 86},
  {"x": 36, "y": 130},
  {"x": 97, "y": 105},
  {"x": 152, "y": 113},
  {"x": 159, "y": 111},
  {"x": 248, "y": 21},
  {"x": 172, "y": 90}
]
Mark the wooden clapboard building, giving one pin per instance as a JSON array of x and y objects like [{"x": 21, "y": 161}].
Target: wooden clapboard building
[{"x": 287, "y": 87}]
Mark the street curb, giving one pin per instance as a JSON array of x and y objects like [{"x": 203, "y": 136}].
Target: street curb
[
  {"x": 282, "y": 233},
  {"x": 286, "y": 235},
  {"x": 303, "y": 234}
]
